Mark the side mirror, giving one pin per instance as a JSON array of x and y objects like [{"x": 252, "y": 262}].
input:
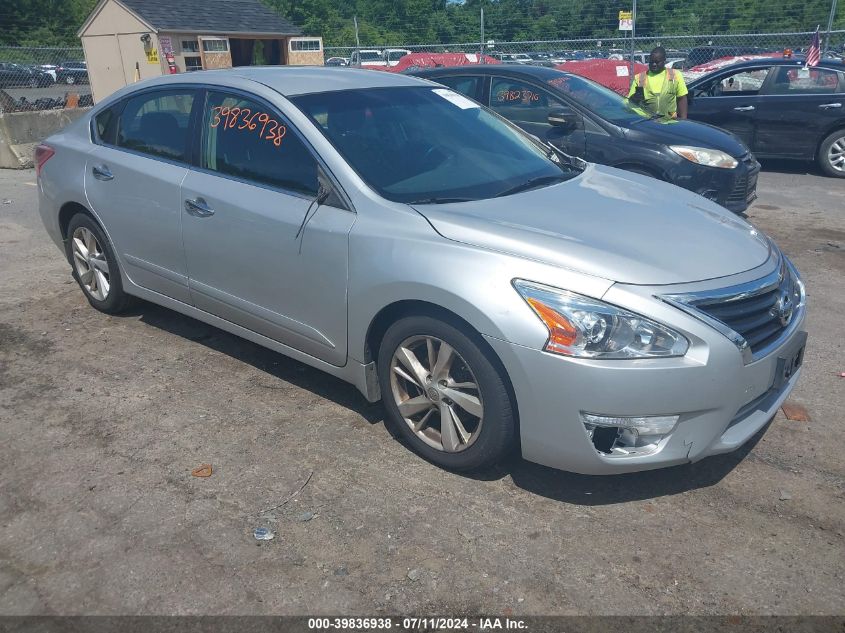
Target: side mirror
[{"x": 564, "y": 118}]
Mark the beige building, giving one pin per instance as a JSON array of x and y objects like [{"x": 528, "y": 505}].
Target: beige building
[{"x": 128, "y": 40}]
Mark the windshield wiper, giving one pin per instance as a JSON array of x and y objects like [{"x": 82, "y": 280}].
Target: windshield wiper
[
  {"x": 564, "y": 159},
  {"x": 436, "y": 200},
  {"x": 532, "y": 183}
]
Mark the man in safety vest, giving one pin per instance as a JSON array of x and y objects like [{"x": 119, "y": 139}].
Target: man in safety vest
[{"x": 661, "y": 90}]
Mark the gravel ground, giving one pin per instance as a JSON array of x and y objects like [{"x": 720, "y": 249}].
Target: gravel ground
[{"x": 103, "y": 418}]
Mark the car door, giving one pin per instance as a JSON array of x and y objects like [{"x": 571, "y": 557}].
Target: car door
[
  {"x": 797, "y": 108},
  {"x": 132, "y": 181},
  {"x": 528, "y": 106},
  {"x": 253, "y": 257},
  {"x": 730, "y": 101}
]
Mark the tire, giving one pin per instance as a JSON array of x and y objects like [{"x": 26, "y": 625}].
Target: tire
[
  {"x": 473, "y": 442},
  {"x": 831, "y": 156},
  {"x": 106, "y": 297},
  {"x": 33, "y": 83},
  {"x": 70, "y": 80}
]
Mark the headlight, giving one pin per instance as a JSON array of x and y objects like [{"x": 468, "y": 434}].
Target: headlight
[
  {"x": 587, "y": 328},
  {"x": 703, "y": 156}
]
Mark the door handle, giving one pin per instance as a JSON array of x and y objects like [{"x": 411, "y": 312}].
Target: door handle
[
  {"x": 744, "y": 108},
  {"x": 825, "y": 106},
  {"x": 198, "y": 208},
  {"x": 101, "y": 172}
]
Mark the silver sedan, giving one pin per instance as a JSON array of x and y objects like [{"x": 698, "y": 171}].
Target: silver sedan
[{"x": 493, "y": 292}]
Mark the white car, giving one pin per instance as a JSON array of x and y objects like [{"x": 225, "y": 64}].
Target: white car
[
  {"x": 393, "y": 55},
  {"x": 367, "y": 57}
]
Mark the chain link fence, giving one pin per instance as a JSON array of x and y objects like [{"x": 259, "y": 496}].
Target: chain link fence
[
  {"x": 686, "y": 51},
  {"x": 40, "y": 78}
]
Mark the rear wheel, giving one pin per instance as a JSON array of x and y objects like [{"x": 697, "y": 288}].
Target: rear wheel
[
  {"x": 95, "y": 266},
  {"x": 831, "y": 156},
  {"x": 443, "y": 395},
  {"x": 70, "y": 79}
]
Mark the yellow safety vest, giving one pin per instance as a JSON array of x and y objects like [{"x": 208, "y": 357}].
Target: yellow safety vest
[{"x": 665, "y": 102}]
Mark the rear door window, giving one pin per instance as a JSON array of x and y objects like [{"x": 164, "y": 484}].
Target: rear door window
[
  {"x": 247, "y": 140},
  {"x": 105, "y": 124},
  {"x": 804, "y": 81},
  {"x": 157, "y": 124},
  {"x": 521, "y": 102},
  {"x": 465, "y": 85}
]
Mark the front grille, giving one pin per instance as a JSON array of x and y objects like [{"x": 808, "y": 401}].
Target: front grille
[
  {"x": 740, "y": 191},
  {"x": 745, "y": 187},
  {"x": 755, "y": 316}
]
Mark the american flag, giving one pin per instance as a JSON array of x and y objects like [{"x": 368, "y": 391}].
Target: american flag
[{"x": 814, "y": 52}]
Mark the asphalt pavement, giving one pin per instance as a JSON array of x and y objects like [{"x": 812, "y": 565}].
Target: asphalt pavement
[{"x": 103, "y": 418}]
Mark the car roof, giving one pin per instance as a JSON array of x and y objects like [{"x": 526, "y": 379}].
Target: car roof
[
  {"x": 797, "y": 61},
  {"x": 542, "y": 73},
  {"x": 296, "y": 80}
]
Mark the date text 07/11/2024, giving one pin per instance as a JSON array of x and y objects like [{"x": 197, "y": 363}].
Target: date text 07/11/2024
[{"x": 417, "y": 623}]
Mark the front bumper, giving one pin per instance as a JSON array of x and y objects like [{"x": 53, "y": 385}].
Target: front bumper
[
  {"x": 722, "y": 402},
  {"x": 735, "y": 189}
]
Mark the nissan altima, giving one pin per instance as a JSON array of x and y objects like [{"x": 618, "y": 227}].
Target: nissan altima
[{"x": 493, "y": 292}]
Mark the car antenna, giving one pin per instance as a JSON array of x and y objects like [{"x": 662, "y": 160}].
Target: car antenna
[{"x": 320, "y": 198}]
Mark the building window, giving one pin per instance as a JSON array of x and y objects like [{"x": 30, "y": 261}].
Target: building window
[
  {"x": 305, "y": 45},
  {"x": 215, "y": 46},
  {"x": 192, "y": 63},
  {"x": 190, "y": 46}
]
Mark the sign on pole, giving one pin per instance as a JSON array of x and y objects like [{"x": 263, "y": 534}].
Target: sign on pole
[{"x": 626, "y": 21}]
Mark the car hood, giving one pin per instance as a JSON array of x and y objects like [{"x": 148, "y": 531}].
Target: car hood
[
  {"x": 675, "y": 132},
  {"x": 612, "y": 224}
]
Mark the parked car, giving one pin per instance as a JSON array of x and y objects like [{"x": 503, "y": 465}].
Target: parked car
[
  {"x": 367, "y": 57},
  {"x": 779, "y": 108},
  {"x": 395, "y": 234},
  {"x": 516, "y": 58},
  {"x": 595, "y": 123},
  {"x": 72, "y": 73},
  {"x": 50, "y": 69},
  {"x": 337, "y": 61},
  {"x": 19, "y": 76},
  {"x": 393, "y": 55},
  {"x": 703, "y": 54}
]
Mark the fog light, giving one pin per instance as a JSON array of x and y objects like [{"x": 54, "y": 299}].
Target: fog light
[{"x": 627, "y": 436}]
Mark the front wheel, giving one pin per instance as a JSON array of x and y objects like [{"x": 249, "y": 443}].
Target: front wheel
[
  {"x": 95, "y": 266},
  {"x": 443, "y": 394},
  {"x": 831, "y": 156}
]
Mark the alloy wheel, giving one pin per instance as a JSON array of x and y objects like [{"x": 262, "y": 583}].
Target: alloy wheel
[
  {"x": 836, "y": 154},
  {"x": 90, "y": 263},
  {"x": 436, "y": 393}
]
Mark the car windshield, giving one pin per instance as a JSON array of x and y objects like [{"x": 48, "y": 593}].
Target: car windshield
[
  {"x": 429, "y": 145},
  {"x": 370, "y": 56},
  {"x": 596, "y": 98}
]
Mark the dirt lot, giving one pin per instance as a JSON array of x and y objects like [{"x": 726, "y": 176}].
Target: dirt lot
[{"x": 103, "y": 418}]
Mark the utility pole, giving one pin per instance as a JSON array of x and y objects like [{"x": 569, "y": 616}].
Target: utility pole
[
  {"x": 633, "y": 34},
  {"x": 829, "y": 27},
  {"x": 481, "y": 42},
  {"x": 357, "y": 40}
]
